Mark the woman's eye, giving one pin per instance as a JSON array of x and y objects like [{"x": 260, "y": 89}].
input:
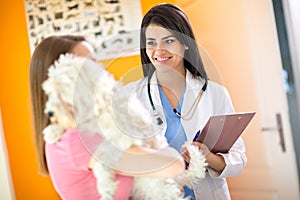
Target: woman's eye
[
  {"x": 169, "y": 41},
  {"x": 150, "y": 43}
]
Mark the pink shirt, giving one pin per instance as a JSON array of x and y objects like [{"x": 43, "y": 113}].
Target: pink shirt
[{"x": 68, "y": 161}]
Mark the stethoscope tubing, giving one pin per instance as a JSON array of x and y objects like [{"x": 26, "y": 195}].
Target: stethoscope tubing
[{"x": 156, "y": 114}]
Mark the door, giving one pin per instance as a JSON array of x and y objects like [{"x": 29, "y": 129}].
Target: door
[{"x": 240, "y": 38}]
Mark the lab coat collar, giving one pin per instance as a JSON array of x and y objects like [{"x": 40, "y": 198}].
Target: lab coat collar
[
  {"x": 190, "y": 80},
  {"x": 191, "y": 84}
]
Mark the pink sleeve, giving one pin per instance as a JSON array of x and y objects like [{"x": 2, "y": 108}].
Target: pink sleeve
[{"x": 82, "y": 147}]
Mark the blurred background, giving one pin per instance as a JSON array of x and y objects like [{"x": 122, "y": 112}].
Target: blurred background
[{"x": 250, "y": 46}]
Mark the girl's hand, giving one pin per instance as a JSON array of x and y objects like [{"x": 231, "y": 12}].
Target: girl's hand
[{"x": 185, "y": 154}]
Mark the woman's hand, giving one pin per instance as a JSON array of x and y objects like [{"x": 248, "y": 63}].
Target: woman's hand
[
  {"x": 202, "y": 147},
  {"x": 214, "y": 161}
]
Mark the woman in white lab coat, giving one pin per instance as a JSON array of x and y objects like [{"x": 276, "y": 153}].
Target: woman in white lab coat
[{"x": 177, "y": 90}]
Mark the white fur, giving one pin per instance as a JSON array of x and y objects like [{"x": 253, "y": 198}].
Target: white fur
[{"x": 85, "y": 89}]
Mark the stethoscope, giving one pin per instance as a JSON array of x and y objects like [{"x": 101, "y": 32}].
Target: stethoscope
[{"x": 188, "y": 115}]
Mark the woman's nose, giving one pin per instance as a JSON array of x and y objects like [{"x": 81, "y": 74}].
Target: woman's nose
[{"x": 160, "y": 47}]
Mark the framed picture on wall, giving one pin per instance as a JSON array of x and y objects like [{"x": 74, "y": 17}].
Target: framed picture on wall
[{"x": 111, "y": 26}]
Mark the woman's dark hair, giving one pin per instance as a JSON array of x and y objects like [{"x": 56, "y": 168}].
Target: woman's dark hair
[{"x": 174, "y": 19}]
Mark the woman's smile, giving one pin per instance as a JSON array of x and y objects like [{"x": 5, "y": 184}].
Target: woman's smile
[{"x": 162, "y": 60}]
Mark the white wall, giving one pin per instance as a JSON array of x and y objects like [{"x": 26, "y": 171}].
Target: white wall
[{"x": 6, "y": 189}]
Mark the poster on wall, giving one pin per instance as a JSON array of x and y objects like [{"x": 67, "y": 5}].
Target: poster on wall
[{"x": 111, "y": 26}]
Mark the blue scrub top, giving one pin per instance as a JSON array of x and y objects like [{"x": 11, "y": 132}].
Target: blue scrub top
[{"x": 175, "y": 134}]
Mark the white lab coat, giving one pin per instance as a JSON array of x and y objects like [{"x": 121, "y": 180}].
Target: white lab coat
[{"x": 215, "y": 100}]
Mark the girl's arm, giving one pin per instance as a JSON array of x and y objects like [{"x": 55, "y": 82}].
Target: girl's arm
[{"x": 139, "y": 161}]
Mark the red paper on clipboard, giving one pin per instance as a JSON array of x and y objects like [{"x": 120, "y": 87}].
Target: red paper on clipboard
[{"x": 221, "y": 131}]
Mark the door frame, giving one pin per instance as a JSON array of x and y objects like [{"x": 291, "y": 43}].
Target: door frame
[{"x": 291, "y": 12}]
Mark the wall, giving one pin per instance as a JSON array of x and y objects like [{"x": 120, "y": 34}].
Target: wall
[
  {"x": 14, "y": 84},
  {"x": 15, "y": 102}
]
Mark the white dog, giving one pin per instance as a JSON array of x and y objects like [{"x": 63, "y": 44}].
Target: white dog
[{"x": 82, "y": 90}]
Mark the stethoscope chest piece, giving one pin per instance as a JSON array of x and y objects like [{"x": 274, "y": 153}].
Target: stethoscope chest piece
[{"x": 158, "y": 117}]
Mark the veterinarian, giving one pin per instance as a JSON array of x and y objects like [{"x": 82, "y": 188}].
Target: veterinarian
[{"x": 176, "y": 89}]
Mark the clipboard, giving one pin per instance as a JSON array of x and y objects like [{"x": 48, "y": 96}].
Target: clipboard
[{"x": 221, "y": 131}]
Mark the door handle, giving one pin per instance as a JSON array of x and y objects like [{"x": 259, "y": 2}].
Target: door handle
[{"x": 278, "y": 128}]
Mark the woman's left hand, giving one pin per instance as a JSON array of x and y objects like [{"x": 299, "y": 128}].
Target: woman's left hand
[
  {"x": 202, "y": 147},
  {"x": 214, "y": 161}
]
